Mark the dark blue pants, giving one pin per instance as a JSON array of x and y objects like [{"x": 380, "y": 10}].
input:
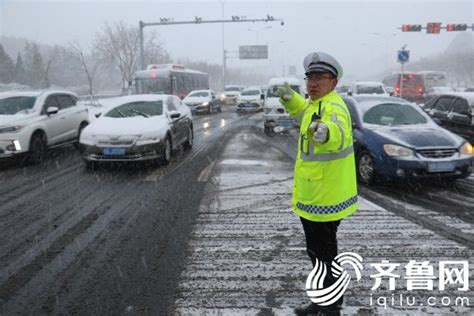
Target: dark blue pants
[{"x": 321, "y": 243}]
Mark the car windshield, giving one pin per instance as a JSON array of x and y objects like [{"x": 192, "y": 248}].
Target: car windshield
[
  {"x": 393, "y": 114},
  {"x": 250, "y": 92},
  {"x": 199, "y": 94},
  {"x": 272, "y": 92},
  {"x": 16, "y": 105},
  {"x": 139, "y": 108},
  {"x": 232, "y": 89},
  {"x": 370, "y": 90}
]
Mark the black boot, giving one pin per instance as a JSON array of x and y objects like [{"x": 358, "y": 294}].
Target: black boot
[
  {"x": 315, "y": 309},
  {"x": 310, "y": 309}
]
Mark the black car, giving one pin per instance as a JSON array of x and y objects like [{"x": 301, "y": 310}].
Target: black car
[{"x": 455, "y": 112}]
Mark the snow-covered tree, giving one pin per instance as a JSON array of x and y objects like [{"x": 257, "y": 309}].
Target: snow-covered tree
[
  {"x": 20, "y": 73},
  {"x": 7, "y": 69},
  {"x": 34, "y": 65}
]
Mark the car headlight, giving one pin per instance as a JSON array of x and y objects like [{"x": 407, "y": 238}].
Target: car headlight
[
  {"x": 148, "y": 137},
  {"x": 466, "y": 149},
  {"x": 11, "y": 129},
  {"x": 397, "y": 151},
  {"x": 205, "y": 103}
]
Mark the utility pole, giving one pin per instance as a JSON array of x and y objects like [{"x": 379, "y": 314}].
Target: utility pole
[{"x": 199, "y": 20}]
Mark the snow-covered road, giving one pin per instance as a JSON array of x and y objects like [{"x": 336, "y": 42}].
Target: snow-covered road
[{"x": 247, "y": 255}]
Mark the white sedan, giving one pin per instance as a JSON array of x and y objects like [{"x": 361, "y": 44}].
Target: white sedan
[{"x": 138, "y": 128}]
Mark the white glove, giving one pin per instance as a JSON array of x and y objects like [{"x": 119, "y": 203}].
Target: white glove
[
  {"x": 321, "y": 134},
  {"x": 285, "y": 92}
]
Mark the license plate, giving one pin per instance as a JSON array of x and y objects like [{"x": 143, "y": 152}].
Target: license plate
[
  {"x": 441, "y": 166},
  {"x": 112, "y": 151},
  {"x": 285, "y": 123}
]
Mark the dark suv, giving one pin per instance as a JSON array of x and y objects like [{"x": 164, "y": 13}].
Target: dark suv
[{"x": 455, "y": 112}]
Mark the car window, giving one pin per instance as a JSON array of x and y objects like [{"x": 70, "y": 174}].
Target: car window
[
  {"x": 250, "y": 92},
  {"x": 430, "y": 103},
  {"x": 231, "y": 89},
  {"x": 65, "y": 101},
  {"x": 50, "y": 101},
  {"x": 139, "y": 108},
  {"x": 370, "y": 90},
  {"x": 393, "y": 114},
  {"x": 444, "y": 104},
  {"x": 16, "y": 105},
  {"x": 461, "y": 106},
  {"x": 199, "y": 94},
  {"x": 178, "y": 103},
  {"x": 170, "y": 104}
]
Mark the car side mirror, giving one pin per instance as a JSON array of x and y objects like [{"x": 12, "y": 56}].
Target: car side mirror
[
  {"x": 51, "y": 110},
  {"x": 306, "y": 95},
  {"x": 213, "y": 97},
  {"x": 262, "y": 97},
  {"x": 175, "y": 115},
  {"x": 391, "y": 94},
  {"x": 349, "y": 93},
  {"x": 98, "y": 114}
]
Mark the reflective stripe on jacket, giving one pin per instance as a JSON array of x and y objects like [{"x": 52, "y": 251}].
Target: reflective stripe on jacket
[{"x": 325, "y": 184}]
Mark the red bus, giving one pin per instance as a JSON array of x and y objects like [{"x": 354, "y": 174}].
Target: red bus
[
  {"x": 170, "y": 79},
  {"x": 413, "y": 88}
]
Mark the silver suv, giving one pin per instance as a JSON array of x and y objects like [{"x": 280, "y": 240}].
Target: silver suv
[{"x": 31, "y": 122}]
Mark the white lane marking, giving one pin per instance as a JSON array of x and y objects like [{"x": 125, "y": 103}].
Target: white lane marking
[
  {"x": 244, "y": 162},
  {"x": 204, "y": 176}
]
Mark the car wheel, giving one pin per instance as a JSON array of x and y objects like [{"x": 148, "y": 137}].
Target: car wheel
[
  {"x": 268, "y": 131},
  {"x": 365, "y": 168},
  {"x": 166, "y": 152},
  {"x": 188, "y": 144},
  {"x": 81, "y": 128},
  {"x": 37, "y": 151},
  {"x": 90, "y": 165}
]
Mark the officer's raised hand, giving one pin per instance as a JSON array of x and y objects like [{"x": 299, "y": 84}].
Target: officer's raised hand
[{"x": 285, "y": 92}]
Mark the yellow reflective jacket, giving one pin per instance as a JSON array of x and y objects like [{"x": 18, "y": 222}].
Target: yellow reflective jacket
[{"x": 325, "y": 184}]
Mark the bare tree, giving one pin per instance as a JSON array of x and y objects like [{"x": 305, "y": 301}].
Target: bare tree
[
  {"x": 50, "y": 60},
  {"x": 90, "y": 63},
  {"x": 119, "y": 43},
  {"x": 154, "y": 53}
]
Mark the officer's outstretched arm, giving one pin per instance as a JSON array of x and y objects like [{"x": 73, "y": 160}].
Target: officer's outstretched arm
[{"x": 295, "y": 105}]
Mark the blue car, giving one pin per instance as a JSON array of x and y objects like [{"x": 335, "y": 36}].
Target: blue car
[{"x": 395, "y": 139}]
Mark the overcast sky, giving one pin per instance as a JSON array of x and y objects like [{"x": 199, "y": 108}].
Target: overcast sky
[{"x": 363, "y": 35}]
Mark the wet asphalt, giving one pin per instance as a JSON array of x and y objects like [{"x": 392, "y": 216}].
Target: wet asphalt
[{"x": 210, "y": 233}]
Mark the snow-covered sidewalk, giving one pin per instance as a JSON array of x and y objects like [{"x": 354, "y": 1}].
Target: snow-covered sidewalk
[{"x": 247, "y": 254}]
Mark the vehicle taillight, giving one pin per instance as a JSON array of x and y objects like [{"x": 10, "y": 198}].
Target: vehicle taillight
[{"x": 153, "y": 75}]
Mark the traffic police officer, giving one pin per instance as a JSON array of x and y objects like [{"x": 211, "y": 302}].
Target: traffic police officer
[{"x": 325, "y": 185}]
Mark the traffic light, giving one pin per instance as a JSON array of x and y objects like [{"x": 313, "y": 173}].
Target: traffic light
[
  {"x": 433, "y": 28},
  {"x": 456, "y": 27},
  {"x": 411, "y": 27}
]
